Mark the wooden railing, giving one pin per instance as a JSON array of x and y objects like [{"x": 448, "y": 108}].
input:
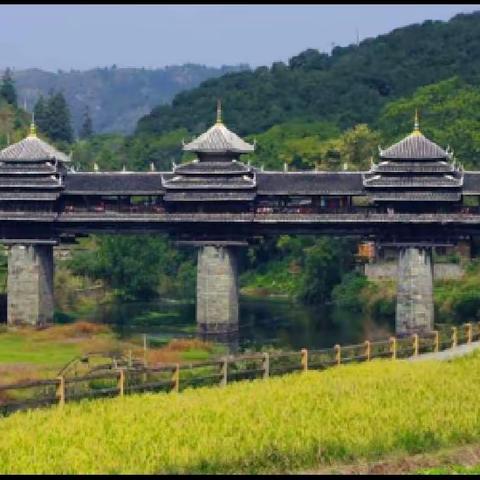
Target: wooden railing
[{"x": 176, "y": 377}]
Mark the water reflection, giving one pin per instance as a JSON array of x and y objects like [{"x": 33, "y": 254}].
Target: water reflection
[{"x": 274, "y": 323}]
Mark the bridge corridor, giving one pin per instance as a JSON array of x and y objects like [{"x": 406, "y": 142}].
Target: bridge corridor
[{"x": 416, "y": 197}]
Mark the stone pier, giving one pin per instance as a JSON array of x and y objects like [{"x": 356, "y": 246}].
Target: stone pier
[
  {"x": 217, "y": 290},
  {"x": 30, "y": 285},
  {"x": 414, "y": 291}
]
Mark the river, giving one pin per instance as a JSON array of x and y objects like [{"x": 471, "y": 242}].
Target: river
[{"x": 277, "y": 323}]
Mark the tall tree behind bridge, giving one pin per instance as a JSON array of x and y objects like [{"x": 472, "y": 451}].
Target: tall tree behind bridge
[
  {"x": 7, "y": 88},
  {"x": 41, "y": 116},
  {"x": 87, "y": 127},
  {"x": 53, "y": 118}
]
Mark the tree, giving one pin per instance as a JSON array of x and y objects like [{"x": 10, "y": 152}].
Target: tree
[
  {"x": 7, "y": 89},
  {"x": 58, "y": 122},
  {"x": 87, "y": 127},
  {"x": 41, "y": 115}
]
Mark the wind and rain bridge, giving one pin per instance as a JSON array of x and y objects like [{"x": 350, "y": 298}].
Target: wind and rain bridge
[{"x": 413, "y": 198}]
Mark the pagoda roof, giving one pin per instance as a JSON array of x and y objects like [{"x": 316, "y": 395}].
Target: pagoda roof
[
  {"x": 31, "y": 149},
  {"x": 415, "y": 147},
  {"x": 218, "y": 139}
]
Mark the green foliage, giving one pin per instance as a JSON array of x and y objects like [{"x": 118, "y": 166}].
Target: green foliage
[
  {"x": 347, "y": 294},
  {"x": 458, "y": 301},
  {"x": 53, "y": 118},
  {"x": 13, "y": 123},
  {"x": 303, "y": 267},
  {"x": 286, "y": 424},
  {"x": 87, "y": 126},
  {"x": 136, "y": 153},
  {"x": 348, "y": 87},
  {"x": 7, "y": 88},
  {"x": 324, "y": 264},
  {"x": 448, "y": 115},
  {"x": 137, "y": 267},
  {"x": 299, "y": 144}
]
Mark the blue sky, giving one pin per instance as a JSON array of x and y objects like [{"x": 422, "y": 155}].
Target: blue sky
[{"x": 55, "y": 37}]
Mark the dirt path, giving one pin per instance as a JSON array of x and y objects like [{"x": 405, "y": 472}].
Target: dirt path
[{"x": 466, "y": 456}]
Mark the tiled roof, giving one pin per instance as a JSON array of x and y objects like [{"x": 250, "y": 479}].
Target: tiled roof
[
  {"x": 413, "y": 181},
  {"x": 200, "y": 182},
  {"x": 212, "y": 168},
  {"x": 414, "y": 147},
  {"x": 218, "y": 139},
  {"x": 114, "y": 183},
  {"x": 31, "y": 149},
  {"x": 414, "y": 167},
  {"x": 309, "y": 183}
]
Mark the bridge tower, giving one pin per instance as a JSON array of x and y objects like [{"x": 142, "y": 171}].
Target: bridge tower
[
  {"x": 415, "y": 175},
  {"x": 31, "y": 181},
  {"x": 216, "y": 182}
]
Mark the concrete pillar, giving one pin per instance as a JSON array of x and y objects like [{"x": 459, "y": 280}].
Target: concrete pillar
[
  {"x": 217, "y": 290},
  {"x": 30, "y": 285},
  {"x": 414, "y": 291}
]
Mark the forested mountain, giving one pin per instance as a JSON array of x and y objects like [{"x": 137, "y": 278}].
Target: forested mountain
[
  {"x": 349, "y": 86},
  {"x": 116, "y": 97}
]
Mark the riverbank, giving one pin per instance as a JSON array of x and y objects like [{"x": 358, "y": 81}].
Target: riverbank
[
  {"x": 30, "y": 354},
  {"x": 304, "y": 421}
]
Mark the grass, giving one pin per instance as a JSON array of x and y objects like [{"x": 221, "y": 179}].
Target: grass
[
  {"x": 27, "y": 354},
  {"x": 285, "y": 424},
  {"x": 453, "y": 469}
]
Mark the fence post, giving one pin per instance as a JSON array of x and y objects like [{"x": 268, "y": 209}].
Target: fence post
[
  {"x": 224, "y": 378},
  {"x": 469, "y": 332},
  {"x": 338, "y": 354},
  {"x": 266, "y": 365},
  {"x": 61, "y": 391},
  {"x": 393, "y": 347},
  {"x": 121, "y": 381},
  {"x": 415, "y": 344},
  {"x": 145, "y": 349},
  {"x": 176, "y": 378},
  {"x": 304, "y": 359},
  {"x": 367, "y": 349},
  {"x": 436, "y": 341},
  {"x": 454, "y": 337}
]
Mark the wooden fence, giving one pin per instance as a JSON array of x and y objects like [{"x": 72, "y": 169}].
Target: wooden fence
[{"x": 176, "y": 377}]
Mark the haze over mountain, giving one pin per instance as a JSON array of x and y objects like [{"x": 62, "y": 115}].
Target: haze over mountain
[{"x": 116, "y": 97}]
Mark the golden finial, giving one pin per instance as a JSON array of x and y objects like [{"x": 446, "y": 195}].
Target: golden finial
[
  {"x": 219, "y": 111},
  {"x": 416, "y": 125},
  {"x": 33, "y": 129}
]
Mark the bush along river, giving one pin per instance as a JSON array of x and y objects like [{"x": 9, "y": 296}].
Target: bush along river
[{"x": 264, "y": 323}]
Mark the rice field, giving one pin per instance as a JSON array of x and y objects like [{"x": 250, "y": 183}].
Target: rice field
[{"x": 285, "y": 424}]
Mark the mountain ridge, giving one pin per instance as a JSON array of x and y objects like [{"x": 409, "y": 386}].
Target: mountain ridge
[{"x": 116, "y": 96}]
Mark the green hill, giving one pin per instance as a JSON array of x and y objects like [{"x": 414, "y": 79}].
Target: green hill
[
  {"x": 116, "y": 97},
  {"x": 349, "y": 86}
]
